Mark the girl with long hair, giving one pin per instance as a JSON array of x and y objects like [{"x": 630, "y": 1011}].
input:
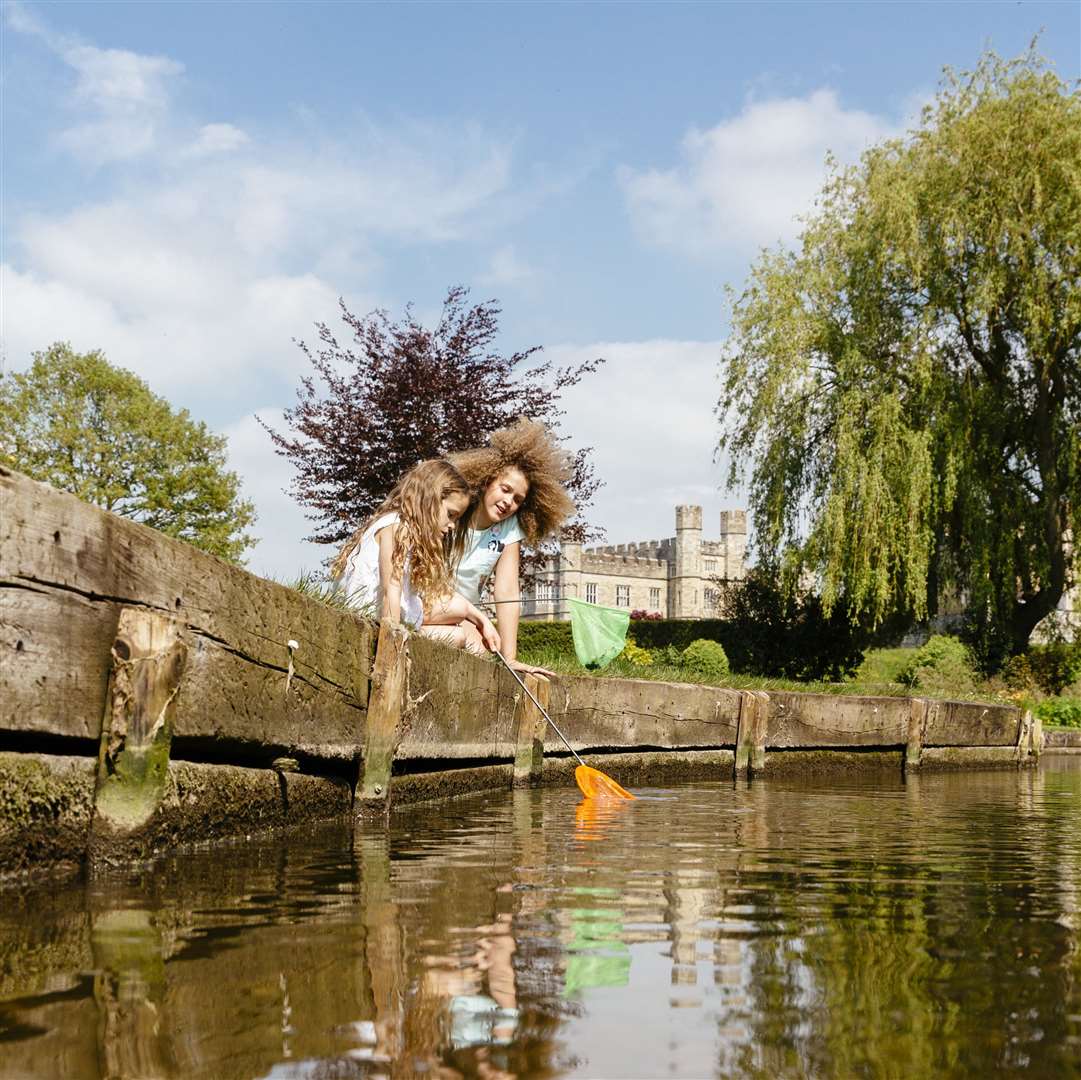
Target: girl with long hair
[
  {"x": 518, "y": 489},
  {"x": 397, "y": 564}
]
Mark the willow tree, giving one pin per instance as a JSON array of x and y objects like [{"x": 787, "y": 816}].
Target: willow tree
[{"x": 903, "y": 392}]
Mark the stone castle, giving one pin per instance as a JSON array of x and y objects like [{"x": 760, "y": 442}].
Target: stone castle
[{"x": 676, "y": 577}]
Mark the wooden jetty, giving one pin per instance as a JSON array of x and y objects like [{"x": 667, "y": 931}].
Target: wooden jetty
[{"x": 152, "y": 695}]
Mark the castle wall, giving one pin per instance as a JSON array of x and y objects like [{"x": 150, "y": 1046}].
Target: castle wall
[{"x": 676, "y": 576}]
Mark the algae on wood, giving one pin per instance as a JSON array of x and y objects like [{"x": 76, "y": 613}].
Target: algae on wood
[
  {"x": 385, "y": 707},
  {"x": 133, "y": 762}
]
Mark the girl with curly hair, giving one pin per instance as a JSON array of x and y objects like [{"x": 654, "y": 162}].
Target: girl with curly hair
[
  {"x": 397, "y": 564},
  {"x": 518, "y": 484}
]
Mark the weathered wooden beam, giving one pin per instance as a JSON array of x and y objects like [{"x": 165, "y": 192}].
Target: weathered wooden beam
[
  {"x": 1036, "y": 737},
  {"x": 531, "y": 727},
  {"x": 386, "y": 705},
  {"x": 809, "y": 720},
  {"x": 66, "y": 570},
  {"x": 917, "y": 721},
  {"x": 748, "y": 711},
  {"x": 149, "y": 656},
  {"x": 760, "y": 730},
  {"x": 466, "y": 708},
  {"x": 644, "y": 712},
  {"x": 972, "y": 723}
]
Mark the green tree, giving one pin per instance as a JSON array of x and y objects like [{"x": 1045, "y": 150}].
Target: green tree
[
  {"x": 905, "y": 389},
  {"x": 78, "y": 423}
]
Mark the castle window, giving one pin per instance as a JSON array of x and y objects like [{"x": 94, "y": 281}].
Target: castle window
[
  {"x": 710, "y": 566},
  {"x": 591, "y": 592},
  {"x": 655, "y": 599},
  {"x": 544, "y": 590},
  {"x": 623, "y": 596},
  {"x": 712, "y": 597}
]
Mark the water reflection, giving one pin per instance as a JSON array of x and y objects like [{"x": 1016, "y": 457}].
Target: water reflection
[{"x": 826, "y": 928}]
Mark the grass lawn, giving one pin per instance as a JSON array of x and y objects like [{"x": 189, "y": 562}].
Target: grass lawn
[
  {"x": 558, "y": 661},
  {"x": 876, "y": 677}
]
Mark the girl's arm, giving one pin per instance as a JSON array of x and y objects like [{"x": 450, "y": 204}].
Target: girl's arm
[
  {"x": 390, "y": 584},
  {"x": 456, "y": 608},
  {"x": 506, "y": 588}
]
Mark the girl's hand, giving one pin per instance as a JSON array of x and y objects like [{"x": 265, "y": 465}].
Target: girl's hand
[
  {"x": 531, "y": 669},
  {"x": 488, "y": 634}
]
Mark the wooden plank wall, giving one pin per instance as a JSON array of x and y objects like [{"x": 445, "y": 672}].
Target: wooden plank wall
[{"x": 66, "y": 571}]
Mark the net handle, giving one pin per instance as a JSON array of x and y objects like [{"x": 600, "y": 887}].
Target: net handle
[{"x": 544, "y": 712}]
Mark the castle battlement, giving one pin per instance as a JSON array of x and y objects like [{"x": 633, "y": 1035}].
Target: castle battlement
[{"x": 678, "y": 576}]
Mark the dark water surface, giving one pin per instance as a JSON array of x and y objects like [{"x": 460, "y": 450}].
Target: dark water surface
[{"x": 818, "y": 927}]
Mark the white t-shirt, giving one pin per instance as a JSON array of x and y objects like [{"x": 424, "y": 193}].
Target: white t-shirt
[
  {"x": 482, "y": 550},
  {"x": 360, "y": 578}
]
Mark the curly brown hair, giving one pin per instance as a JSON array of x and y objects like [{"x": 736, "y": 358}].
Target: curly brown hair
[
  {"x": 529, "y": 447},
  {"x": 416, "y": 498}
]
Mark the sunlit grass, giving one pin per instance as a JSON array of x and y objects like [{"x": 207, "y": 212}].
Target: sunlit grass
[
  {"x": 875, "y": 678},
  {"x": 316, "y": 586}
]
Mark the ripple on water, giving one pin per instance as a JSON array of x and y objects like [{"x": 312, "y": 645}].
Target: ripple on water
[{"x": 839, "y": 927}]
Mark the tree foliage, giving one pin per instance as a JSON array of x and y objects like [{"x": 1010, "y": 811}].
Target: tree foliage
[
  {"x": 905, "y": 389},
  {"x": 403, "y": 393},
  {"x": 97, "y": 431}
]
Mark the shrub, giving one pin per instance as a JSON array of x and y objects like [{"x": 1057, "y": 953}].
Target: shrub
[
  {"x": 1050, "y": 668},
  {"x": 668, "y": 655},
  {"x": 635, "y": 654},
  {"x": 943, "y": 664},
  {"x": 641, "y": 613},
  {"x": 707, "y": 659},
  {"x": 784, "y": 633},
  {"x": 1060, "y": 712}
]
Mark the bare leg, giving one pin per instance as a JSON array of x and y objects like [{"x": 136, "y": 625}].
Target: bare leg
[
  {"x": 471, "y": 639},
  {"x": 449, "y": 635}
]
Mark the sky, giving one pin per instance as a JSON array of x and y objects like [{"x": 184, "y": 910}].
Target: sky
[{"x": 191, "y": 187}]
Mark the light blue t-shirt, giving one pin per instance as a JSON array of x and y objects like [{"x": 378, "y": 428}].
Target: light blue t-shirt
[{"x": 482, "y": 550}]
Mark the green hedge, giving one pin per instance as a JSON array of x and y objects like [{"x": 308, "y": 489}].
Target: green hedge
[
  {"x": 545, "y": 635},
  {"x": 648, "y": 633}
]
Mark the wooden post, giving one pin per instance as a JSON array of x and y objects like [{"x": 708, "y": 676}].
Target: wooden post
[
  {"x": 1035, "y": 736},
  {"x": 129, "y": 989},
  {"x": 1024, "y": 737},
  {"x": 748, "y": 709},
  {"x": 758, "y": 741},
  {"x": 751, "y": 733},
  {"x": 385, "y": 707},
  {"x": 917, "y": 723},
  {"x": 382, "y": 946},
  {"x": 136, "y": 732},
  {"x": 530, "y": 727}
]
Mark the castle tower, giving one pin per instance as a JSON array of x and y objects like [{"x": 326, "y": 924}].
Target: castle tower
[
  {"x": 685, "y": 585},
  {"x": 570, "y": 571},
  {"x": 734, "y": 542}
]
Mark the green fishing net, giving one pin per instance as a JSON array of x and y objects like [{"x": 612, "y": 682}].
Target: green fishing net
[{"x": 599, "y": 632}]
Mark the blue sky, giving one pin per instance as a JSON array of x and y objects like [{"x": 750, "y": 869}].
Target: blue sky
[{"x": 189, "y": 186}]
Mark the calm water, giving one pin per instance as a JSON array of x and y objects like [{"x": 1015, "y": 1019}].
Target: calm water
[{"x": 782, "y": 928}]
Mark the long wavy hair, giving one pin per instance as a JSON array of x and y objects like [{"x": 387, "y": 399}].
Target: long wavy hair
[
  {"x": 417, "y": 498},
  {"x": 529, "y": 447}
]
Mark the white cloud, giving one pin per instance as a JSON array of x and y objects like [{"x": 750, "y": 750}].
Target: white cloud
[
  {"x": 120, "y": 97},
  {"x": 282, "y": 552},
  {"x": 648, "y": 414},
  {"x": 217, "y": 139},
  {"x": 742, "y": 184},
  {"x": 506, "y": 268},
  {"x": 207, "y": 260}
]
